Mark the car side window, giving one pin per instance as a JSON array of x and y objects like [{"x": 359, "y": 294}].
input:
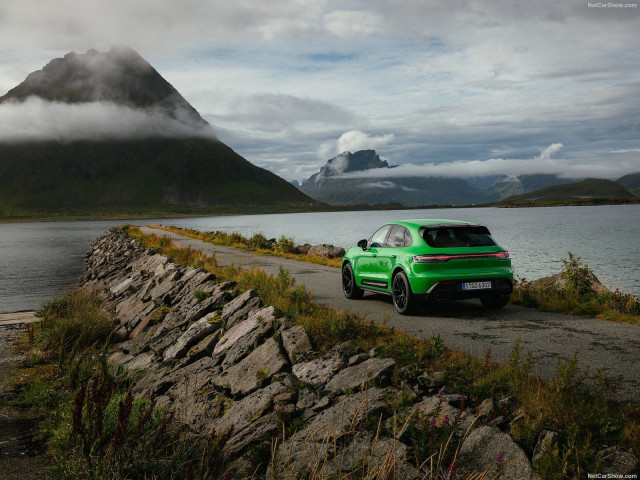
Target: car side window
[
  {"x": 378, "y": 238},
  {"x": 396, "y": 237},
  {"x": 407, "y": 238}
]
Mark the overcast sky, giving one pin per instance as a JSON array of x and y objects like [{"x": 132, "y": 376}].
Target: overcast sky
[{"x": 495, "y": 86}]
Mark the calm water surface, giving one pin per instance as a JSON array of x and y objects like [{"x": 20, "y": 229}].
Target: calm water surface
[{"x": 39, "y": 260}]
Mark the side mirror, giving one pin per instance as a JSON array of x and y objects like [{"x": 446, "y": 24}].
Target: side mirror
[{"x": 362, "y": 244}]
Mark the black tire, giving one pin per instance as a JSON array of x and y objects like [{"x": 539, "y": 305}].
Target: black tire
[
  {"x": 403, "y": 298},
  {"x": 349, "y": 286},
  {"x": 494, "y": 301}
]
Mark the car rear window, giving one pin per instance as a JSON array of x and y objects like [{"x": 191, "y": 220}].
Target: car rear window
[{"x": 467, "y": 236}]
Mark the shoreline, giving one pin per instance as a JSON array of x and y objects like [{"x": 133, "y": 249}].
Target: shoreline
[{"x": 324, "y": 209}]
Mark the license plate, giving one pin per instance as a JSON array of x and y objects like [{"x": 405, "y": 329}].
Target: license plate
[{"x": 476, "y": 285}]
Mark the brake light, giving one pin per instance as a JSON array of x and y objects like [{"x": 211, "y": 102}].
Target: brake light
[{"x": 445, "y": 258}]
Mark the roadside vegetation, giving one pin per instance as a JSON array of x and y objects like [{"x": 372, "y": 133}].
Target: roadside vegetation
[
  {"x": 576, "y": 291},
  {"x": 576, "y": 406},
  {"x": 283, "y": 247},
  {"x": 95, "y": 428}
]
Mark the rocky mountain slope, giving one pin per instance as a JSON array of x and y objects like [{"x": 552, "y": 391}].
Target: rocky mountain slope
[{"x": 180, "y": 168}]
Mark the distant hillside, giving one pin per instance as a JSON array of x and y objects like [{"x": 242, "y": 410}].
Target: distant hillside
[
  {"x": 329, "y": 185},
  {"x": 161, "y": 174},
  {"x": 631, "y": 182},
  {"x": 139, "y": 176},
  {"x": 589, "y": 189}
]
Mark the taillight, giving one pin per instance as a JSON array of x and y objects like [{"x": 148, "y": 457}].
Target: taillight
[
  {"x": 445, "y": 258},
  {"x": 431, "y": 258}
]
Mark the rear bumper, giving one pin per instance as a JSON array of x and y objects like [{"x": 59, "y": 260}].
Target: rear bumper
[{"x": 453, "y": 289}]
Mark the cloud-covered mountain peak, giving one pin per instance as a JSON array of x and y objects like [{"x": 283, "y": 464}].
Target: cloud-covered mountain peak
[
  {"x": 346, "y": 162},
  {"x": 119, "y": 76}
]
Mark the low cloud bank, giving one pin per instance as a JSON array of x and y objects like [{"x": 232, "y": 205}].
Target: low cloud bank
[
  {"x": 353, "y": 141},
  {"x": 38, "y": 119},
  {"x": 543, "y": 163}
]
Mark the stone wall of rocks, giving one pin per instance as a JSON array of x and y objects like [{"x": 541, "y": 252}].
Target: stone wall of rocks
[{"x": 222, "y": 360}]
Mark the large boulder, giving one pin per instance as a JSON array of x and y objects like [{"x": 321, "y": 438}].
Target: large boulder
[
  {"x": 325, "y": 250},
  {"x": 488, "y": 449}
]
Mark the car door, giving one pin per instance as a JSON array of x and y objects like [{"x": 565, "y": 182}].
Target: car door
[
  {"x": 372, "y": 263},
  {"x": 396, "y": 241}
]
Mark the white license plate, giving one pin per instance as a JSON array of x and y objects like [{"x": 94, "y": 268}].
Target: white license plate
[{"x": 476, "y": 285}]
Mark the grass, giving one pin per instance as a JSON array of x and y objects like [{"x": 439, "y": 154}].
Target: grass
[
  {"x": 94, "y": 426},
  {"x": 577, "y": 295},
  {"x": 284, "y": 247},
  {"x": 583, "y": 414}
]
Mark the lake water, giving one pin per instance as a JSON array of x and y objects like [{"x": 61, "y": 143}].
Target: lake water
[{"x": 39, "y": 260}]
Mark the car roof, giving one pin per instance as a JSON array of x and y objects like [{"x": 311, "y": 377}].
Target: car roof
[{"x": 429, "y": 222}]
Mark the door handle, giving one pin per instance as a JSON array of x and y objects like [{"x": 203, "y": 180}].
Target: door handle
[
  {"x": 393, "y": 256},
  {"x": 374, "y": 255}
]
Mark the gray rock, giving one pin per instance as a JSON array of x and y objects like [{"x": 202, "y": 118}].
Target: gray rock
[
  {"x": 244, "y": 345},
  {"x": 486, "y": 408},
  {"x": 235, "y": 333},
  {"x": 371, "y": 453},
  {"x": 258, "y": 367},
  {"x": 616, "y": 461},
  {"x": 243, "y": 413},
  {"x": 487, "y": 448},
  {"x": 121, "y": 287},
  {"x": 372, "y": 371},
  {"x": 318, "y": 372},
  {"x": 238, "y": 308},
  {"x": 295, "y": 341},
  {"x": 140, "y": 362},
  {"x": 545, "y": 442},
  {"x": 203, "y": 348},
  {"x": 443, "y": 412},
  {"x": 348, "y": 410},
  {"x": 196, "y": 332},
  {"x": 357, "y": 358},
  {"x": 325, "y": 250}
]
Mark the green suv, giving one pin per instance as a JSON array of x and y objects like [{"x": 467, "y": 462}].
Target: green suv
[{"x": 413, "y": 260}]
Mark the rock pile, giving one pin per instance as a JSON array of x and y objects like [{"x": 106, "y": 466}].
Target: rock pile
[{"x": 222, "y": 360}]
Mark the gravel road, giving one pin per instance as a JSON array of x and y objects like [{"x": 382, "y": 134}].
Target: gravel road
[{"x": 466, "y": 325}]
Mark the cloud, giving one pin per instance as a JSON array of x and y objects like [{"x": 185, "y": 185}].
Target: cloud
[
  {"x": 454, "y": 81},
  {"x": 37, "y": 119},
  {"x": 353, "y": 141},
  {"x": 275, "y": 112},
  {"x": 384, "y": 184},
  {"x": 543, "y": 163}
]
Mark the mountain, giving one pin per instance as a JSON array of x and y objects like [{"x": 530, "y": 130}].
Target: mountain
[
  {"x": 631, "y": 182},
  {"x": 502, "y": 186},
  {"x": 589, "y": 189},
  {"x": 160, "y": 173},
  {"x": 332, "y": 186},
  {"x": 119, "y": 76}
]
